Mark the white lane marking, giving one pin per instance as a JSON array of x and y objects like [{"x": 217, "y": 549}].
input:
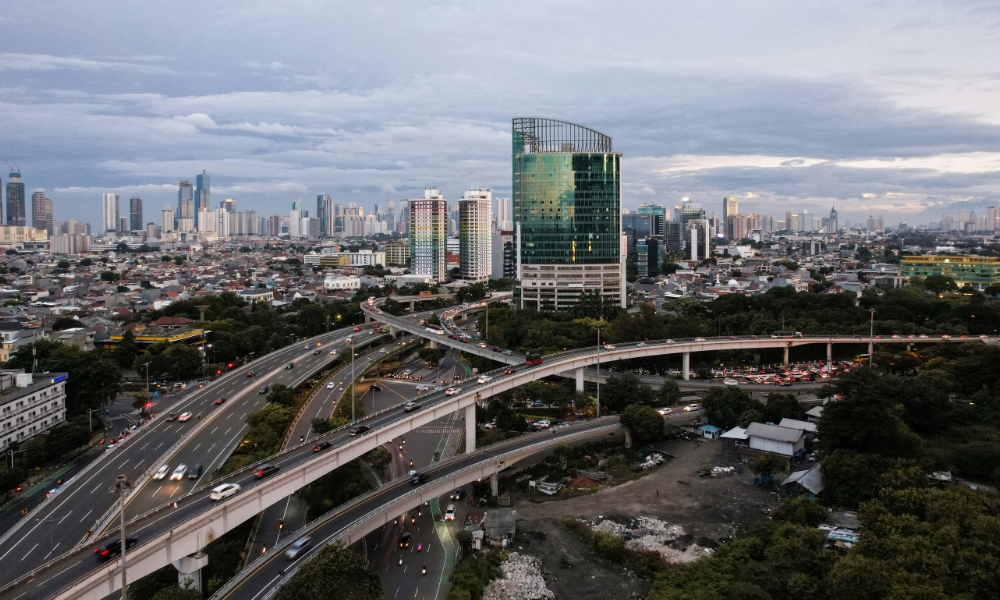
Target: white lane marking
[
  {"x": 96, "y": 488},
  {"x": 86, "y": 515},
  {"x": 29, "y": 552},
  {"x": 196, "y": 447},
  {"x": 213, "y": 431},
  {"x": 64, "y": 518}
]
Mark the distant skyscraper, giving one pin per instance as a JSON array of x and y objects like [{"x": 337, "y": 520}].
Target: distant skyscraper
[
  {"x": 834, "y": 225},
  {"x": 185, "y": 200},
  {"x": 429, "y": 236},
  {"x": 41, "y": 212},
  {"x": 474, "y": 212},
  {"x": 730, "y": 207},
  {"x": 324, "y": 208},
  {"x": 202, "y": 192},
  {"x": 111, "y": 212},
  {"x": 503, "y": 221},
  {"x": 567, "y": 214},
  {"x": 135, "y": 213},
  {"x": 167, "y": 223},
  {"x": 659, "y": 213},
  {"x": 228, "y": 205},
  {"x": 15, "y": 200}
]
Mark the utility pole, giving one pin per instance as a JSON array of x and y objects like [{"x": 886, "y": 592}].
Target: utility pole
[
  {"x": 352, "y": 380},
  {"x": 871, "y": 338},
  {"x": 121, "y": 486},
  {"x": 598, "y": 371}
]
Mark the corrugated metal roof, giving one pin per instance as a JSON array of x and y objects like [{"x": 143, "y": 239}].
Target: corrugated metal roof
[{"x": 774, "y": 432}]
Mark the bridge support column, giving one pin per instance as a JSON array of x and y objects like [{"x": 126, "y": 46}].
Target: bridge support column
[
  {"x": 628, "y": 438},
  {"x": 785, "y": 360},
  {"x": 470, "y": 428},
  {"x": 368, "y": 318},
  {"x": 189, "y": 570},
  {"x": 413, "y": 306},
  {"x": 495, "y": 485},
  {"x": 871, "y": 350},
  {"x": 579, "y": 379},
  {"x": 686, "y": 361},
  {"x": 392, "y": 331},
  {"x": 433, "y": 345},
  {"x": 829, "y": 352}
]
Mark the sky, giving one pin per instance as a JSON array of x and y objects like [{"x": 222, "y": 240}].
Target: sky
[{"x": 882, "y": 107}]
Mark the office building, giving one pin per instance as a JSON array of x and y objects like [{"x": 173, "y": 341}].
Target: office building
[
  {"x": 111, "y": 211},
  {"x": 429, "y": 235},
  {"x": 648, "y": 256},
  {"x": 978, "y": 272},
  {"x": 202, "y": 192},
  {"x": 834, "y": 225},
  {"x": 15, "y": 200},
  {"x": 637, "y": 226},
  {"x": 567, "y": 214},
  {"x": 228, "y": 205},
  {"x": 135, "y": 213},
  {"x": 324, "y": 206},
  {"x": 167, "y": 217},
  {"x": 503, "y": 255},
  {"x": 397, "y": 252},
  {"x": 730, "y": 207},
  {"x": 185, "y": 202},
  {"x": 474, "y": 215},
  {"x": 659, "y": 217},
  {"x": 41, "y": 212}
]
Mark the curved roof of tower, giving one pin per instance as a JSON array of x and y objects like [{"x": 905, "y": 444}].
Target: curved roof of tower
[{"x": 535, "y": 135}]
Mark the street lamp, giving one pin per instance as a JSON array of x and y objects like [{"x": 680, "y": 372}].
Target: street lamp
[
  {"x": 146, "y": 365},
  {"x": 598, "y": 328},
  {"x": 871, "y": 338},
  {"x": 11, "y": 454},
  {"x": 352, "y": 379},
  {"x": 90, "y": 417},
  {"x": 121, "y": 486}
]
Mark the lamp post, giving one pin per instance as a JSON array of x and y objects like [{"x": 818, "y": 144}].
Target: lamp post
[
  {"x": 11, "y": 454},
  {"x": 146, "y": 365},
  {"x": 90, "y": 416},
  {"x": 598, "y": 371},
  {"x": 121, "y": 486},
  {"x": 871, "y": 338},
  {"x": 352, "y": 379}
]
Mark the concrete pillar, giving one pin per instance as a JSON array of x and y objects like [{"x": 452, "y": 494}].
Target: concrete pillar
[
  {"x": 433, "y": 345},
  {"x": 785, "y": 361},
  {"x": 871, "y": 349},
  {"x": 392, "y": 331},
  {"x": 579, "y": 379},
  {"x": 470, "y": 428},
  {"x": 628, "y": 438},
  {"x": 829, "y": 352},
  {"x": 189, "y": 570},
  {"x": 413, "y": 306},
  {"x": 494, "y": 485},
  {"x": 368, "y": 317},
  {"x": 687, "y": 365}
]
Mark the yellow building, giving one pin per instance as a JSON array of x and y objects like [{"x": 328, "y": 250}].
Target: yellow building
[
  {"x": 20, "y": 235},
  {"x": 978, "y": 272}
]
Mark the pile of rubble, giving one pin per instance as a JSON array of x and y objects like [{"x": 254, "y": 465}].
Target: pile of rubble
[
  {"x": 723, "y": 470},
  {"x": 646, "y": 534},
  {"x": 652, "y": 460},
  {"x": 522, "y": 580}
]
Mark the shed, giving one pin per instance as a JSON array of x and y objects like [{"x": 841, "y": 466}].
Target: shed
[
  {"x": 796, "y": 424},
  {"x": 810, "y": 480},
  {"x": 772, "y": 438},
  {"x": 734, "y": 439},
  {"x": 500, "y": 526},
  {"x": 710, "y": 431},
  {"x": 814, "y": 413}
]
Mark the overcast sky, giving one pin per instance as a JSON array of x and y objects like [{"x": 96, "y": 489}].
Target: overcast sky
[{"x": 878, "y": 107}]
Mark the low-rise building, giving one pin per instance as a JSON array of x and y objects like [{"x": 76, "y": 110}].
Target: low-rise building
[
  {"x": 978, "y": 272},
  {"x": 342, "y": 282},
  {"x": 30, "y": 404}
]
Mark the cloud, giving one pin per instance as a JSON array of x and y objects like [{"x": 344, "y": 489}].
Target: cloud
[{"x": 13, "y": 61}]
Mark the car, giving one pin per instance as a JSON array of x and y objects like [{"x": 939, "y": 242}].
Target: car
[
  {"x": 490, "y": 425},
  {"x": 297, "y": 547},
  {"x": 333, "y": 352},
  {"x": 161, "y": 473},
  {"x": 508, "y": 371},
  {"x": 457, "y": 494},
  {"x": 219, "y": 401},
  {"x": 321, "y": 446},
  {"x": 609, "y": 346},
  {"x": 666, "y": 410},
  {"x": 357, "y": 329},
  {"x": 184, "y": 416},
  {"x": 290, "y": 365},
  {"x": 699, "y": 339},
  {"x": 543, "y": 423},
  {"x": 249, "y": 373},
  {"x": 113, "y": 547},
  {"x": 895, "y": 337},
  {"x": 669, "y": 341},
  {"x": 348, "y": 340},
  {"x": 481, "y": 344},
  {"x": 404, "y": 540},
  {"x": 730, "y": 381},
  {"x": 331, "y": 385},
  {"x": 692, "y": 407},
  {"x": 223, "y": 491},
  {"x": 508, "y": 352},
  {"x": 179, "y": 472},
  {"x": 449, "y": 513},
  {"x": 376, "y": 387},
  {"x": 264, "y": 470},
  {"x": 172, "y": 416},
  {"x": 317, "y": 351},
  {"x": 923, "y": 336},
  {"x": 410, "y": 407},
  {"x": 417, "y": 478},
  {"x": 194, "y": 472},
  {"x": 264, "y": 390},
  {"x": 452, "y": 391},
  {"x": 359, "y": 430}
]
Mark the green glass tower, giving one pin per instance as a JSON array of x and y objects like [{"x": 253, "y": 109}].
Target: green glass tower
[{"x": 567, "y": 213}]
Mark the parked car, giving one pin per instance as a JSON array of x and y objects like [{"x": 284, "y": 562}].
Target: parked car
[
  {"x": 223, "y": 491},
  {"x": 297, "y": 547}
]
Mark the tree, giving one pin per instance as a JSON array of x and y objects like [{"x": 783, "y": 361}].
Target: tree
[
  {"x": 670, "y": 393},
  {"x": 779, "y": 406},
  {"x": 470, "y": 293},
  {"x": 65, "y": 323},
  {"x": 63, "y": 264},
  {"x": 724, "y": 405},
  {"x": 768, "y": 464},
  {"x": 800, "y": 510},
  {"x": 939, "y": 284},
  {"x": 320, "y": 426},
  {"x": 92, "y": 380},
  {"x": 109, "y": 276},
  {"x": 86, "y": 262},
  {"x": 432, "y": 355},
  {"x": 622, "y": 390},
  {"x": 126, "y": 351},
  {"x": 644, "y": 423},
  {"x": 176, "y": 592},
  {"x": 281, "y": 395},
  {"x": 335, "y": 573}
]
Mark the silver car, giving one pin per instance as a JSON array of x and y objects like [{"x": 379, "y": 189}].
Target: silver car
[{"x": 297, "y": 547}]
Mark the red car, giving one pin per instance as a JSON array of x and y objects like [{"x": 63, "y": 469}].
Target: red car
[
  {"x": 219, "y": 401},
  {"x": 357, "y": 329},
  {"x": 249, "y": 373},
  {"x": 508, "y": 371}
]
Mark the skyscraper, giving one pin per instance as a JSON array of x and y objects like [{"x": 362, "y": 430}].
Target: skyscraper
[
  {"x": 324, "y": 208},
  {"x": 503, "y": 222},
  {"x": 41, "y": 212},
  {"x": 474, "y": 213},
  {"x": 567, "y": 214},
  {"x": 659, "y": 214},
  {"x": 15, "y": 200},
  {"x": 429, "y": 236},
  {"x": 185, "y": 200},
  {"x": 834, "y": 226},
  {"x": 730, "y": 207},
  {"x": 167, "y": 215},
  {"x": 111, "y": 211},
  {"x": 228, "y": 205},
  {"x": 203, "y": 192},
  {"x": 135, "y": 213}
]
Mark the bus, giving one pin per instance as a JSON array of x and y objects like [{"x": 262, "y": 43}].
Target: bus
[
  {"x": 785, "y": 334},
  {"x": 435, "y": 329},
  {"x": 533, "y": 359}
]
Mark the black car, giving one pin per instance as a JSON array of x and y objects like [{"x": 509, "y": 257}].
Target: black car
[
  {"x": 404, "y": 540},
  {"x": 376, "y": 387},
  {"x": 264, "y": 389},
  {"x": 316, "y": 351},
  {"x": 359, "y": 430},
  {"x": 195, "y": 472},
  {"x": 290, "y": 365},
  {"x": 321, "y": 446},
  {"x": 113, "y": 548},
  {"x": 265, "y": 470},
  {"x": 418, "y": 478},
  {"x": 458, "y": 494}
]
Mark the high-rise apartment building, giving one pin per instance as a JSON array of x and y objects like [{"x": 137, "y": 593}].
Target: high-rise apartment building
[
  {"x": 834, "y": 225},
  {"x": 429, "y": 236},
  {"x": 15, "y": 200},
  {"x": 730, "y": 207},
  {"x": 135, "y": 213},
  {"x": 503, "y": 220},
  {"x": 474, "y": 215},
  {"x": 111, "y": 212},
  {"x": 167, "y": 218},
  {"x": 324, "y": 206},
  {"x": 202, "y": 192},
  {"x": 41, "y": 212},
  {"x": 567, "y": 214},
  {"x": 185, "y": 201},
  {"x": 228, "y": 205},
  {"x": 659, "y": 217}
]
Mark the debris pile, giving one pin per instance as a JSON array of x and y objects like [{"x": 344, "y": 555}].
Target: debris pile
[
  {"x": 646, "y": 534},
  {"x": 723, "y": 470},
  {"x": 652, "y": 460},
  {"x": 582, "y": 482},
  {"x": 522, "y": 580}
]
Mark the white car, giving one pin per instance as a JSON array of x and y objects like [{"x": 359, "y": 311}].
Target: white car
[
  {"x": 543, "y": 423},
  {"x": 179, "y": 473},
  {"x": 331, "y": 385},
  {"x": 333, "y": 352},
  {"x": 223, "y": 491},
  {"x": 297, "y": 547},
  {"x": 161, "y": 472},
  {"x": 449, "y": 513},
  {"x": 452, "y": 391},
  {"x": 184, "y": 417},
  {"x": 699, "y": 339},
  {"x": 665, "y": 410},
  {"x": 692, "y": 407},
  {"x": 729, "y": 381}
]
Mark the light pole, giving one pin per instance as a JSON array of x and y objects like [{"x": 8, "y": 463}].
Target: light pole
[
  {"x": 352, "y": 379},
  {"x": 871, "y": 338},
  {"x": 90, "y": 417},
  {"x": 146, "y": 365},
  {"x": 121, "y": 486},
  {"x": 598, "y": 371},
  {"x": 11, "y": 454}
]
